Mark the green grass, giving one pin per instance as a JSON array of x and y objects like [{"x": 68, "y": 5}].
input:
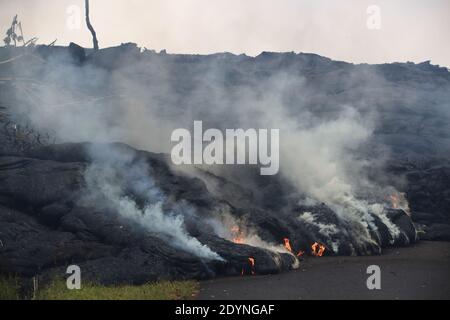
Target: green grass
[
  {"x": 166, "y": 290},
  {"x": 9, "y": 288},
  {"x": 57, "y": 290}
]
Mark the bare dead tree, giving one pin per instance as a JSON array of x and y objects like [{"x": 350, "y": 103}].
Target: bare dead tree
[{"x": 90, "y": 27}]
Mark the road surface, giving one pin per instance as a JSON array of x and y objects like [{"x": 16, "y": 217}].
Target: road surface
[{"x": 421, "y": 271}]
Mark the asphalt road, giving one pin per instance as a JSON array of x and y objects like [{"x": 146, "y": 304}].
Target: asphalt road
[{"x": 421, "y": 271}]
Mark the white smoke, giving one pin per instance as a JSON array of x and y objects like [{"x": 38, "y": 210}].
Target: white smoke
[
  {"x": 318, "y": 148},
  {"x": 114, "y": 170},
  {"x": 321, "y": 156},
  {"x": 327, "y": 230},
  {"x": 320, "y": 162}
]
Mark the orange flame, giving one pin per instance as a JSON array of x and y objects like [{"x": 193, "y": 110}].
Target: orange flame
[
  {"x": 317, "y": 249},
  {"x": 300, "y": 253},
  {"x": 252, "y": 264},
  {"x": 251, "y": 261},
  {"x": 398, "y": 201},
  {"x": 237, "y": 235},
  {"x": 287, "y": 244},
  {"x": 394, "y": 201}
]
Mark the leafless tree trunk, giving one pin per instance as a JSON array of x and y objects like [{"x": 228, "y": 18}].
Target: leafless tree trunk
[{"x": 90, "y": 27}]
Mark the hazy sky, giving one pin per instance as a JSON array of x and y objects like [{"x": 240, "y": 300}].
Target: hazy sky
[{"x": 410, "y": 30}]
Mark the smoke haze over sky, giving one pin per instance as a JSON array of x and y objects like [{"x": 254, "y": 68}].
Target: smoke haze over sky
[{"x": 409, "y": 30}]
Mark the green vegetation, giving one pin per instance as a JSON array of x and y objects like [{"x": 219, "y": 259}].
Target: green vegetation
[
  {"x": 9, "y": 288},
  {"x": 164, "y": 290},
  {"x": 154, "y": 291}
]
